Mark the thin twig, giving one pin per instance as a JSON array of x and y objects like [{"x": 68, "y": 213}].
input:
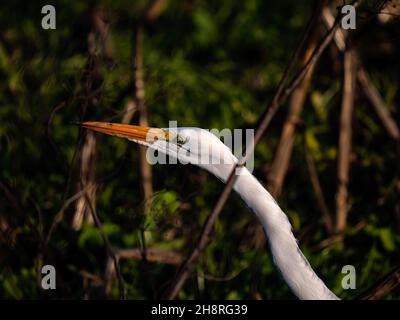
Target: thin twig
[
  {"x": 377, "y": 102},
  {"x": 229, "y": 277},
  {"x": 109, "y": 248},
  {"x": 335, "y": 238},
  {"x": 60, "y": 214},
  {"x": 323, "y": 207},
  {"x": 280, "y": 164},
  {"x": 295, "y": 56},
  {"x": 152, "y": 255},
  {"x": 88, "y": 178},
  {"x": 384, "y": 286}
]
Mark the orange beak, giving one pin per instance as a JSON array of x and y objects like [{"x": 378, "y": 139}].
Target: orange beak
[{"x": 136, "y": 133}]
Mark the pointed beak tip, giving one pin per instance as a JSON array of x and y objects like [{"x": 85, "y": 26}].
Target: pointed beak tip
[{"x": 131, "y": 132}]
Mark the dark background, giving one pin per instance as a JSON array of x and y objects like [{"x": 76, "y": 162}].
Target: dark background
[{"x": 209, "y": 64}]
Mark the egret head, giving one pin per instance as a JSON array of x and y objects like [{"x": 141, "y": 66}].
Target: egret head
[{"x": 188, "y": 145}]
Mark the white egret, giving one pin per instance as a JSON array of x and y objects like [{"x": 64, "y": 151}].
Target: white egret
[{"x": 183, "y": 144}]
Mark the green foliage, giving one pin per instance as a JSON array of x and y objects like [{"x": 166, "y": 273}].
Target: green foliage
[{"x": 206, "y": 64}]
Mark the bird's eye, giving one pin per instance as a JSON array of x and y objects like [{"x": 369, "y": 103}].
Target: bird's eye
[{"x": 180, "y": 140}]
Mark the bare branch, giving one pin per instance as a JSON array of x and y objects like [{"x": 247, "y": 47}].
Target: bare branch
[
  {"x": 138, "y": 104},
  {"x": 344, "y": 149},
  {"x": 385, "y": 286},
  {"x": 60, "y": 214},
  {"x": 283, "y": 153},
  {"x": 365, "y": 83},
  {"x": 88, "y": 177},
  {"x": 151, "y": 255},
  {"x": 99, "y": 39},
  {"x": 377, "y": 102},
  {"x": 109, "y": 248}
]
